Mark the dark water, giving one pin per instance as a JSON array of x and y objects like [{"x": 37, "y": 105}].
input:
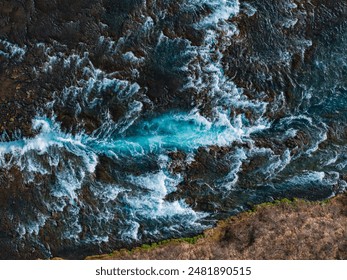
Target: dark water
[{"x": 154, "y": 119}]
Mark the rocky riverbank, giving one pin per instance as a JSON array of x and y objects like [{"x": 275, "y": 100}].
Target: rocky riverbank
[
  {"x": 282, "y": 230},
  {"x": 128, "y": 122}
]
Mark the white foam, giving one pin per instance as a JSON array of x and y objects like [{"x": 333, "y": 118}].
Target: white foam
[
  {"x": 107, "y": 192},
  {"x": 31, "y": 227},
  {"x": 197, "y": 118},
  {"x": 12, "y": 51},
  {"x": 73, "y": 158},
  {"x": 232, "y": 177},
  {"x": 190, "y": 158},
  {"x": 291, "y": 133},
  {"x": 160, "y": 183},
  {"x": 322, "y": 136},
  {"x": 131, "y": 232},
  {"x": 153, "y": 205},
  {"x": 130, "y": 56},
  {"x": 51, "y": 142},
  {"x": 308, "y": 177},
  {"x": 249, "y": 9},
  {"x": 222, "y": 10},
  {"x": 95, "y": 239},
  {"x": 206, "y": 72},
  {"x": 290, "y": 23},
  {"x": 277, "y": 164}
]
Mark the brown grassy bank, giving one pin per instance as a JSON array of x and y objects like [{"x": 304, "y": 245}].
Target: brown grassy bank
[{"x": 283, "y": 230}]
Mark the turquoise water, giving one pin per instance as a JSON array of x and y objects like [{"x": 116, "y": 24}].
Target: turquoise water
[
  {"x": 153, "y": 135},
  {"x": 175, "y": 131}
]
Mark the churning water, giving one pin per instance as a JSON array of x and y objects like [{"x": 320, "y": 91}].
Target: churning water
[{"x": 158, "y": 163}]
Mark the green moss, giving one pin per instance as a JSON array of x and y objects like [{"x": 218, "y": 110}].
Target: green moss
[
  {"x": 192, "y": 240},
  {"x": 146, "y": 247},
  {"x": 325, "y": 201},
  {"x": 286, "y": 201}
]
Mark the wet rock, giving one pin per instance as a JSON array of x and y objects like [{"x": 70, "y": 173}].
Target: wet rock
[{"x": 73, "y": 49}]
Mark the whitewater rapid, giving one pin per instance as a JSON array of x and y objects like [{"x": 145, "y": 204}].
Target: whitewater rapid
[{"x": 119, "y": 170}]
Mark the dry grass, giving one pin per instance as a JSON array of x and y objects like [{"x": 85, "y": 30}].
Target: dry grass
[{"x": 283, "y": 230}]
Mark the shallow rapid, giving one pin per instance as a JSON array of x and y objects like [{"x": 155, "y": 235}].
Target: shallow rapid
[{"x": 166, "y": 116}]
